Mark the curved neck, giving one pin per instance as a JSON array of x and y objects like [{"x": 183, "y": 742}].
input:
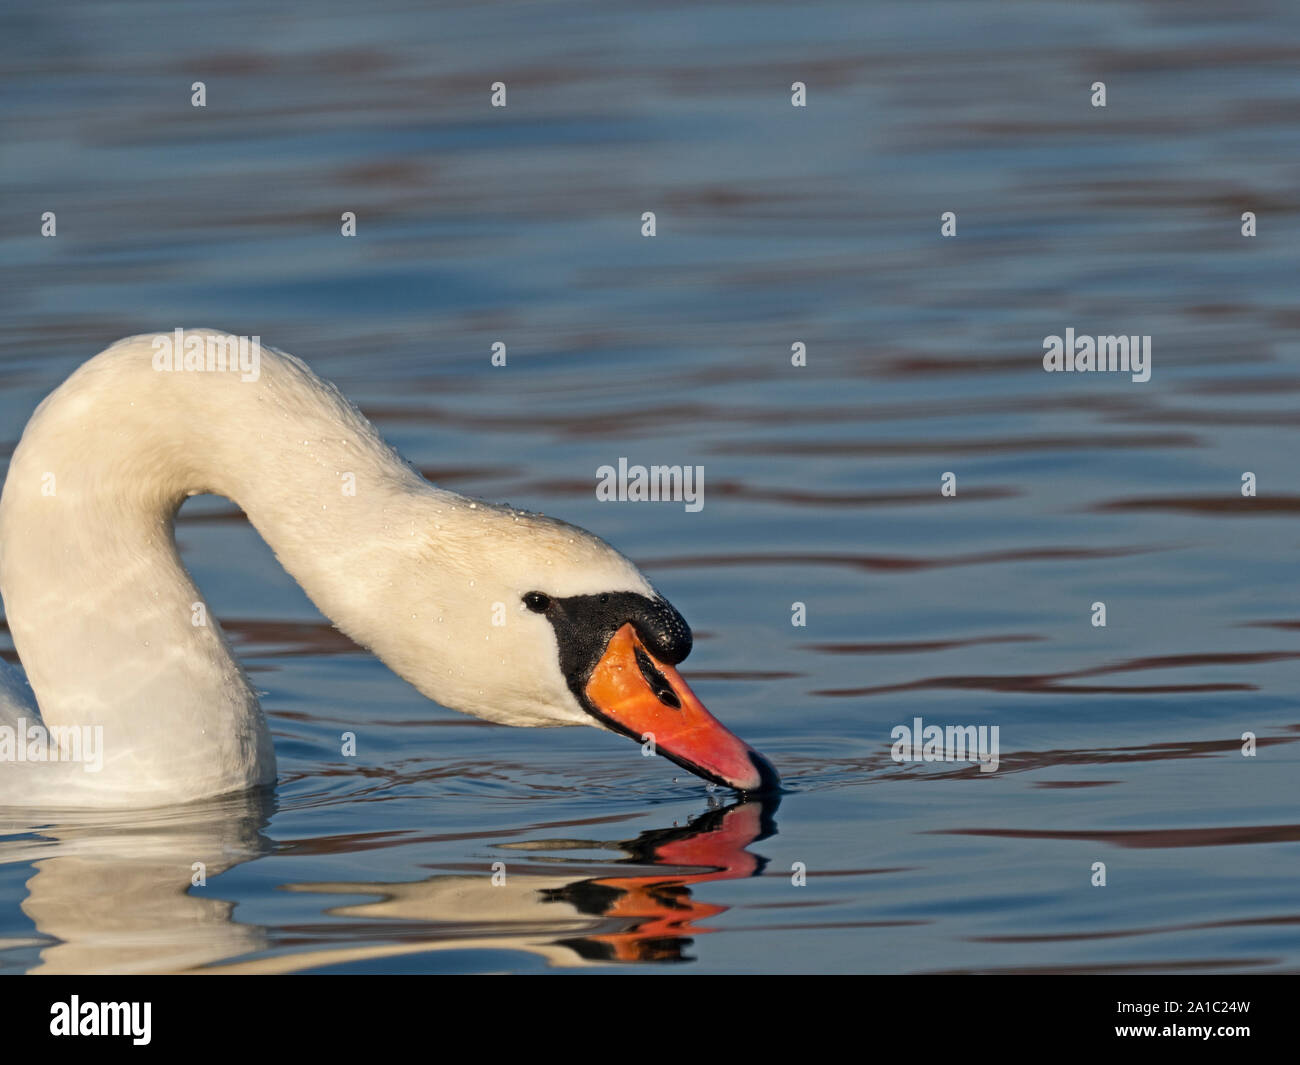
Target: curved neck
[{"x": 106, "y": 620}]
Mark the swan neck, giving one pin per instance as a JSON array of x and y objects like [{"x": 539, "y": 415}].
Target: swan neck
[{"x": 110, "y": 627}]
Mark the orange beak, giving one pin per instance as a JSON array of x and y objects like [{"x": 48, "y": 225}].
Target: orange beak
[{"x": 634, "y": 693}]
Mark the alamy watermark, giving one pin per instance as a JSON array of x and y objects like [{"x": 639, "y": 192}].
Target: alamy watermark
[
  {"x": 1104, "y": 354},
  {"x": 33, "y": 742},
  {"x": 77, "y": 1018},
  {"x": 208, "y": 353},
  {"x": 634, "y": 484},
  {"x": 953, "y": 743}
]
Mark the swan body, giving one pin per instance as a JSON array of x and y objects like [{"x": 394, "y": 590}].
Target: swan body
[{"x": 509, "y": 616}]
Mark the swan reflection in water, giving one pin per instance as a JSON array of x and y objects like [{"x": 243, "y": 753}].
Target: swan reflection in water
[
  {"x": 119, "y": 898},
  {"x": 114, "y": 893}
]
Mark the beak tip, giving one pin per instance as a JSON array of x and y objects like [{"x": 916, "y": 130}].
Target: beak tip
[{"x": 769, "y": 780}]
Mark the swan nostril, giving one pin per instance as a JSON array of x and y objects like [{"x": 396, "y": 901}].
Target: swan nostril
[
  {"x": 658, "y": 682},
  {"x": 585, "y": 624}
]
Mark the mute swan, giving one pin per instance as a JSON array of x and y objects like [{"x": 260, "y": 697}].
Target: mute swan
[{"x": 109, "y": 629}]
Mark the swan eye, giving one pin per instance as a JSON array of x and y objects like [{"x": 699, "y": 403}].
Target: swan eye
[{"x": 537, "y": 602}]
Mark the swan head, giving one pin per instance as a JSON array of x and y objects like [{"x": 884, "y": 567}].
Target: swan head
[{"x": 525, "y": 620}]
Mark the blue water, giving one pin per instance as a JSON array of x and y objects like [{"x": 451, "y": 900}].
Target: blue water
[{"x": 775, "y": 224}]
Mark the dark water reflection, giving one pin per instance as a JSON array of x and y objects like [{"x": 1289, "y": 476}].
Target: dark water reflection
[
  {"x": 110, "y": 894},
  {"x": 1121, "y": 744}
]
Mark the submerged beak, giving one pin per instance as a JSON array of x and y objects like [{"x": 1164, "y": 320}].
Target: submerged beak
[{"x": 634, "y": 693}]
